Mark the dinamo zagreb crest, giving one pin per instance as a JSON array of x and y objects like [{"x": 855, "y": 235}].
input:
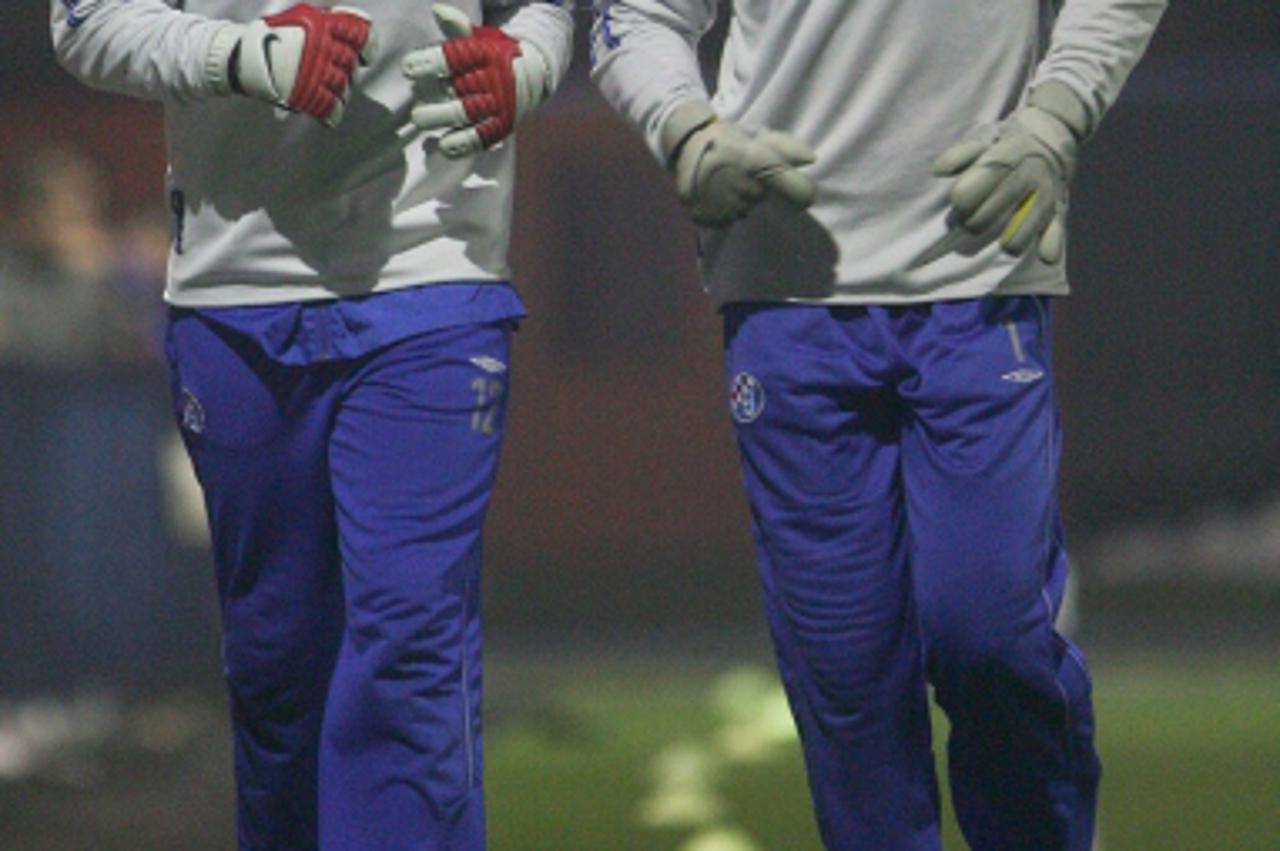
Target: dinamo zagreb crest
[{"x": 746, "y": 397}]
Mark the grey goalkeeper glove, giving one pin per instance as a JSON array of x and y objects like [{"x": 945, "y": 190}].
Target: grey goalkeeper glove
[
  {"x": 1017, "y": 184},
  {"x": 301, "y": 59},
  {"x": 722, "y": 171}
]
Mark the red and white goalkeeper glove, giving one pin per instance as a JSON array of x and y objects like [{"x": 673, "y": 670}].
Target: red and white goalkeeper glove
[
  {"x": 476, "y": 85},
  {"x": 301, "y": 59}
]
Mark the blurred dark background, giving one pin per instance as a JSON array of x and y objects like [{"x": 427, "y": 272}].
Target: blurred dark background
[{"x": 618, "y": 521}]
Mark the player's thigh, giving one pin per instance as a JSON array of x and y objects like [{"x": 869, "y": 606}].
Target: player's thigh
[
  {"x": 414, "y": 454},
  {"x": 980, "y": 463},
  {"x": 818, "y": 443},
  {"x": 255, "y": 433}
]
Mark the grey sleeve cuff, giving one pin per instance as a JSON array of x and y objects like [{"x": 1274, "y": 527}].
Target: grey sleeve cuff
[
  {"x": 218, "y": 60},
  {"x": 546, "y": 26},
  {"x": 1059, "y": 100}
]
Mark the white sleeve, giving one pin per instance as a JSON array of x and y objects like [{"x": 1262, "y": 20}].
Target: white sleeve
[
  {"x": 142, "y": 48},
  {"x": 546, "y": 24},
  {"x": 1094, "y": 45},
  {"x": 644, "y": 58}
]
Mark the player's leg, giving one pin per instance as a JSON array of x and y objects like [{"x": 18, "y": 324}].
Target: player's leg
[
  {"x": 819, "y": 455},
  {"x": 256, "y": 435},
  {"x": 980, "y": 466},
  {"x": 414, "y": 455}
]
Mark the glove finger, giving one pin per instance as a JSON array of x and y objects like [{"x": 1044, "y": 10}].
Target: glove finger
[
  {"x": 453, "y": 22},
  {"x": 716, "y": 180},
  {"x": 427, "y": 64},
  {"x": 316, "y": 100},
  {"x": 492, "y": 130},
  {"x": 957, "y": 158},
  {"x": 782, "y": 176},
  {"x": 329, "y": 108},
  {"x": 1026, "y": 225},
  {"x": 344, "y": 58},
  {"x": 753, "y": 156},
  {"x": 458, "y": 144},
  {"x": 335, "y": 80},
  {"x": 791, "y": 149},
  {"x": 473, "y": 83},
  {"x": 431, "y": 90},
  {"x": 335, "y": 115},
  {"x": 357, "y": 33},
  {"x": 986, "y": 195},
  {"x": 369, "y": 51},
  {"x": 1053, "y": 241},
  {"x": 796, "y": 187},
  {"x": 440, "y": 115},
  {"x": 721, "y": 193},
  {"x": 972, "y": 188}
]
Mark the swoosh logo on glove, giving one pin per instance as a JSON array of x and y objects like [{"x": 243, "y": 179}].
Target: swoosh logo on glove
[{"x": 270, "y": 39}]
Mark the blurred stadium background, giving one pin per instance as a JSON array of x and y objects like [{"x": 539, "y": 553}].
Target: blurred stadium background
[{"x": 630, "y": 703}]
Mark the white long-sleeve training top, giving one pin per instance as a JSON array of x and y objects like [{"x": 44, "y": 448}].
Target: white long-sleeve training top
[
  {"x": 271, "y": 206},
  {"x": 879, "y": 88}
]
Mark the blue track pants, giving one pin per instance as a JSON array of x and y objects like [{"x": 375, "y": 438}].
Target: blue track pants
[
  {"x": 901, "y": 466},
  {"x": 345, "y": 500}
]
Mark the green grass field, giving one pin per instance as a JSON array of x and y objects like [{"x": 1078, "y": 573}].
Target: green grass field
[
  {"x": 588, "y": 756},
  {"x": 1191, "y": 757}
]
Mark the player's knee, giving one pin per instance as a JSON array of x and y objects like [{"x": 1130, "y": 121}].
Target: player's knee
[
  {"x": 269, "y": 671},
  {"x": 273, "y": 685},
  {"x": 977, "y": 662}
]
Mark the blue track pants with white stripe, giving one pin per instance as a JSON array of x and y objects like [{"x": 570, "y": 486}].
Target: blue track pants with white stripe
[
  {"x": 346, "y": 499},
  {"x": 901, "y": 466}
]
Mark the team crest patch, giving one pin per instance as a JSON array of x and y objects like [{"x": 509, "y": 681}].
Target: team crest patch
[
  {"x": 746, "y": 397},
  {"x": 192, "y": 412}
]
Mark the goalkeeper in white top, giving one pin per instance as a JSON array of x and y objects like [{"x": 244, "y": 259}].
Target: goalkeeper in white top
[
  {"x": 882, "y": 190},
  {"x": 341, "y": 184}
]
